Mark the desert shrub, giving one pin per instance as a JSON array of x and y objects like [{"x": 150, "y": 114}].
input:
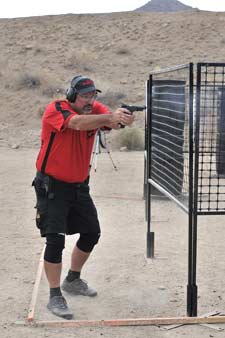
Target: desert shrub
[
  {"x": 40, "y": 111},
  {"x": 132, "y": 138},
  {"x": 81, "y": 59},
  {"x": 38, "y": 50},
  {"x": 88, "y": 69},
  {"x": 52, "y": 91},
  {"x": 112, "y": 99},
  {"x": 41, "y": 108},
  {"x": 27, "y": 81},
  {"x": 123, "y": 51}
]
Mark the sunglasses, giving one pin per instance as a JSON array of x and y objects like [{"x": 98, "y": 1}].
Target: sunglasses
[{"x": 88, "y": 97}]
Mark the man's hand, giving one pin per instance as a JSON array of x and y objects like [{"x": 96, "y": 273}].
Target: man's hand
[{"x": 121, "y": 116}]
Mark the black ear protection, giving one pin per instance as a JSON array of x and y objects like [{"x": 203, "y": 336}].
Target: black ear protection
[{"x": 71, "y": 93}]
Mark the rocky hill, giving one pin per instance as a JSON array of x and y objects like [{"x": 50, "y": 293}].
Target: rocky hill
[
  {"x": 40, "y": 55},
  {"x": 164, "y": 6}
]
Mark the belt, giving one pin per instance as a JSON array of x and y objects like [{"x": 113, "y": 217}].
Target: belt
[{"x": 41, "y": 176}]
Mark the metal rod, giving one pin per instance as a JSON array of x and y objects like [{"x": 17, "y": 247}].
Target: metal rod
[
  {"x": 170, "y": 69},
  {"x": 190, "y": 200},
  {"x": 211, "y": 64},
  {"x": 97, "y": 151},
  {"x": 164, "y": 192},
  {"x": 208, "y": 213},
  {"x": 110, "y": 156},
  {"x": 145, "y": 149},
  {"x": 150, "y": 235},
  {"x": 195, "y": 195}
]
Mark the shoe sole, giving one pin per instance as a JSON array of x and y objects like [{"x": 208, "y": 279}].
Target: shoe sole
[
  {"x": 79, "y": 294},
  {"x": 68, "y": 316}
]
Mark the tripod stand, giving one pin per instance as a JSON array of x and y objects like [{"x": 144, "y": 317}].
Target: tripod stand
[{"x": 97, "y": 149}]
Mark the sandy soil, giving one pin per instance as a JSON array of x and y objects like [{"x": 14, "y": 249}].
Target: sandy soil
[{"x": 129, "y": 284}]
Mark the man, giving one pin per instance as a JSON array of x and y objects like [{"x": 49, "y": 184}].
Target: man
[{"x": 64, "y": 205}]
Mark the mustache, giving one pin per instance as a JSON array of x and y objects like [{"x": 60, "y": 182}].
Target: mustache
[
  {"x": 87, "y": 109},
  {"x": 88, "y": 106}
]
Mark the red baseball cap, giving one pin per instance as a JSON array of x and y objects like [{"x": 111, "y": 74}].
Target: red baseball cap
[{"x": 83, "y": 85}]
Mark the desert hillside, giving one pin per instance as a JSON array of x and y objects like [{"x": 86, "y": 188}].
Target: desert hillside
[{"x": 40, "y": 55}]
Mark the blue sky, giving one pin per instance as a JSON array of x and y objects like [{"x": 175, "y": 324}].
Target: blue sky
[{"x": 23, "y": 8}]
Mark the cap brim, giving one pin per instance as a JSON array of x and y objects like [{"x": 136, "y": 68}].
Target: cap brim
[{"x": 88, "y": 90}]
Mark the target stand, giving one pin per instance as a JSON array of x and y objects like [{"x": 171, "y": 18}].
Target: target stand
[{"x": 185, "y": 149}]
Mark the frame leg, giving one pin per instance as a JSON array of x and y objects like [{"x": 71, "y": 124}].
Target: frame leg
[
  {"x": 192, "y": 296},
  {"x": 150, "y": 244}
]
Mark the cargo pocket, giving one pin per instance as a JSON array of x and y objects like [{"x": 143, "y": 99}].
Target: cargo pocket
[
  {"x": 41, "y": 202},
  {"x": 40, "y": 217}
]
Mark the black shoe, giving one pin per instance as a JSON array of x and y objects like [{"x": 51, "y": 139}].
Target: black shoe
[
  {"x": 78, "y": 287},
  {"x": 58, "y": 306}
]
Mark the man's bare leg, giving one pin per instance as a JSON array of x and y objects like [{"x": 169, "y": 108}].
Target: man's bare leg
[
  {"x": 57, "y": 303},
  {"x": 78, "y": 259},
  {"x": 73, "y": 284},
  {"x": 53, "y": 273}
]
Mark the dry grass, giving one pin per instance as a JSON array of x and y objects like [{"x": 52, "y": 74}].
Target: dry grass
[
  {"x": 111, "y": 98},
  {"x": 27, "y": 81},
  {"x": 132, "y": 138},
  {"x": 123, "y": 51},
  {"x": 53, "y": 92}
]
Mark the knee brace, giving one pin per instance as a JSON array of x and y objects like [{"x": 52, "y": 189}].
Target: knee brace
[
  {"x": 55, "y": 244},
  {"x": 86, "y": 242}
]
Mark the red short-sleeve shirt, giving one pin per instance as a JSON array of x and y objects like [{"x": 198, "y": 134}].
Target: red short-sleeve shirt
[{"x": 65, "y": 153}]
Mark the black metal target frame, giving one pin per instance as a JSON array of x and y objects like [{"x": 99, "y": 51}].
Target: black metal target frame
[{"x": 185, "y": 149}]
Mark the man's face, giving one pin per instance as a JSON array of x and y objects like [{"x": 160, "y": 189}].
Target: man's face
[{"x": 84, "y": 102}]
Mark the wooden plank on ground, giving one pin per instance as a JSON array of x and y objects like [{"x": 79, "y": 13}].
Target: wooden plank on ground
[
  {"x": 131, "y": 322},
  {"x": 31, "y": 310}
]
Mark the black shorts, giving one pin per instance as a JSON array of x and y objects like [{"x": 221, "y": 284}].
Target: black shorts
[{"x": 64, "y": 207}]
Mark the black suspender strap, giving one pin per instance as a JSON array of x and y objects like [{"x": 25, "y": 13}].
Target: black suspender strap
[
  {"x": 47, "y": 152},
  {"x": 65, "y": 113}
]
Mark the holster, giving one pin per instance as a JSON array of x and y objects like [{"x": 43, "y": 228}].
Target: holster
[{"x": 45, "y": 182}]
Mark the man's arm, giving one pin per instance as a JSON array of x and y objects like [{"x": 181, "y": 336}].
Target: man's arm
[{"x": 89, "y": 122}]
